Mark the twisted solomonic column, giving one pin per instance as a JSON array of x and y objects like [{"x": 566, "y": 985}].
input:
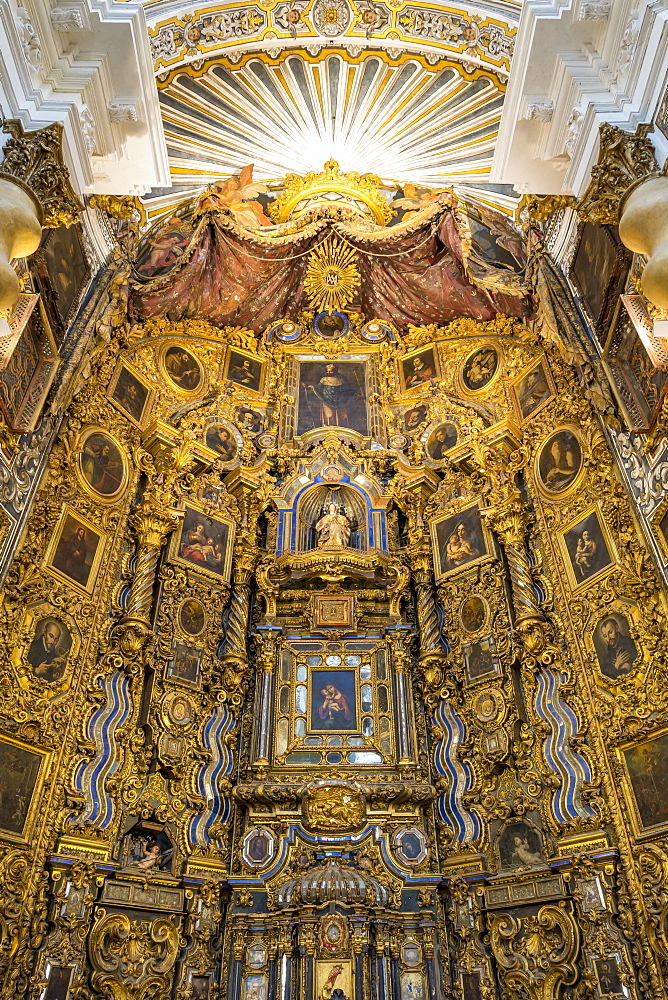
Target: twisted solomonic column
[
  {"x": 235, "y": 651},
  {"x": 152, "y": 523},
  {"x": 431, "y": 656}
]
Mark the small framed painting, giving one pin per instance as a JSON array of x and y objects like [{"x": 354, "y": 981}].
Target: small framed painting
[
  {"x": 182, "y": 368},
  {"x": 204, "y": 543},
  {"x": 532, "y": 390},
  {"x": 333, "y": 701},
  {"x": 459, "y": 541},
  {"x": 646, "y": 763},
  {"x": 102, "y": 465},
  {"x": 22, "y": 769},
  {"x": 185, "y": 664},
  {"x": 130, "y": 393},
  {"x": 244, "y": 370},
  {"x": 418, "y": 369},
  {"x": 75, "y": 550},
  {"x": 559, "y": 463},
  {"x": 588, "y": 550},
  {"x": 480, "y": 368}
]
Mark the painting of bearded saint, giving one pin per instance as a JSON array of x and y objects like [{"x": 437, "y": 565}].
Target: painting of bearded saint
[{"x": 332, "y": 395}]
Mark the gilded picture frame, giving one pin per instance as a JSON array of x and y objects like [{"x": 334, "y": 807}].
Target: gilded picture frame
[
  {"x": 44, "y": 661},
  {"x": 548, "y": 464},
  {"x": 56, "y": 557},
  {"x": 19, "y": 807},
  {"x": 92, "y": 465},
  {"x": 613, "y": 639},
  {"x": 479, "y": 358},
  {"x": 475, "y": 535},
  {"x": 181, "y": 368},
  {"x": 643, "y": 763},
  {"x": 133, "y": 395},
  {"x": 418, "y": 368},
  {"x": 190, "y": 546},
  {"x": 245, "y": 370},
  {"x": 530, "y": 392},
  {"x": 582, "y": 569}
]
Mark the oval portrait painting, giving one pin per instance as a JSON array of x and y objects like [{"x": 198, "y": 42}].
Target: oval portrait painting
[
  {"x": 192, "y": 616},
  {"x": 559, "y": 462},
  {"x": 102, "y": 465},
  {"x": 440, "y": 441},
  {"x": 473, "y": 613},
  {"x": 183, "y": 368},
  {"x": 480, "y": 368},
  {"x": 220, "y": 438}
]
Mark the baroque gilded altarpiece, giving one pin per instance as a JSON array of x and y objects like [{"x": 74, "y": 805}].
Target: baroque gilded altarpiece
[{"x": 334, "y": 662}]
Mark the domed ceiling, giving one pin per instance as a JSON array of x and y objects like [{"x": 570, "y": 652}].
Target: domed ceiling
[{"x": 411, "y": 92}]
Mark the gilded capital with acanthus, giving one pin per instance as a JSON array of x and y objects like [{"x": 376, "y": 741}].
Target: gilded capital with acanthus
[
  {"x": 510, "y": 521},
  {"x": 152, "y": 525}
]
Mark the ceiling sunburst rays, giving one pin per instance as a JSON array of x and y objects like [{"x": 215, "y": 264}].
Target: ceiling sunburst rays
[{"x": 399, "y": 118}]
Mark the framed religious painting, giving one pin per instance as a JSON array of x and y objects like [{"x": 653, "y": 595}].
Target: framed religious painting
[
  {"x": 244, "y": 370},
  {"x": 102, "y": 465},
  {"x": 414, "y": 418},
  {"x": 130, "y": 393},
  {"x": 459, "y": 541},
  {"x": 75, "y": 550},
  {"x": 598, "y": 273},
  {"x": 332, "y": 394},
  {"x": 223, "y": 437},
  {"x": 49, "y": 641},
  {"x": 60, "y": 273},
  {"x": 22, "y": 768},
  {"x": 184, "y": 665},
  {"x": 418, "y": 369},
  {"x": 333, "y": 700},
  {"x": 639, "y": 376},
  {"x": 480, "y": 369},
  {"x": 587, "y": 549},
  {"x": 532, "y": 390},
  {"x": 440, "y": 440},
  {"x": 617, "y": 650},
  {"x": 559, "y": 463},
  {"x": 611, "y": 976},
  {"x": 204, "y": 543},
  {"x": 58, "y": 980},
  {"x": 191, "y": 617},
  {"x": 27, "y": 377},
  {"x": 481, "y": 660},
  {"x": 646, "y": 764},
  {"x": 182, "y": 368}
]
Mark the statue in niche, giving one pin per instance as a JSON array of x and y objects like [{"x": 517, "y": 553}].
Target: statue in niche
[{"x": 333, "y": 529}]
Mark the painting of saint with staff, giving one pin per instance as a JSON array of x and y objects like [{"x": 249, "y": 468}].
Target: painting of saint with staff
[{"x": 332, "y": 394}]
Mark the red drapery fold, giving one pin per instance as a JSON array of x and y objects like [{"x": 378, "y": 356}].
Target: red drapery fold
[{"x": 415, "y": 274}]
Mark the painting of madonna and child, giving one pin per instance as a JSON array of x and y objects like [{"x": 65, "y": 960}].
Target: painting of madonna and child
[
  {"x": 332, "y": 394},
  {"x": 333, "y": 701},
  {"x": 458, "y": 540},
  {"x": 204, "y": 543}
]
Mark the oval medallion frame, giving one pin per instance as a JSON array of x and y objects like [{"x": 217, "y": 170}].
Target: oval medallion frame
[{"x": 84, "y": 437}]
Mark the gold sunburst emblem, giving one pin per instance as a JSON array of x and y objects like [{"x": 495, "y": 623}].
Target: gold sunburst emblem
[{"x": 332, "y": 276}]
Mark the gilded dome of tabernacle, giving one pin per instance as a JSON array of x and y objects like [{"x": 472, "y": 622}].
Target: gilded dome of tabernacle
[{"x": 333, "y": 882}]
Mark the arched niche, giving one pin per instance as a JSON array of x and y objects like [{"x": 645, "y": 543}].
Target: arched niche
[{"x": 350, "y": 502}]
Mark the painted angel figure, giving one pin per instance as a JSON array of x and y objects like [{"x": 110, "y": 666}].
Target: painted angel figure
[
  {"x": 415, "y": 200},
  {"x": 232, "y": 195}
]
